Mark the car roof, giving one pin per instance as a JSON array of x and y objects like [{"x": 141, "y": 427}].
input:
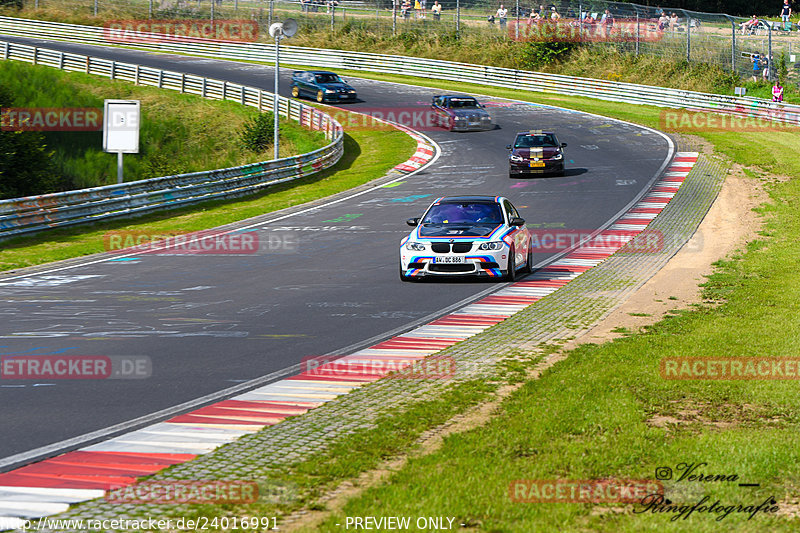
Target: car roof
[
  {"x": 454, "y": 96},
  {"x": 474, "y": 199},
  {"x": 314, "y": 72},
  {"x": 536, "y": 132}
]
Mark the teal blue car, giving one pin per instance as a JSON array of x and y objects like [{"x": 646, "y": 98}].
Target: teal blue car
[{"x": 322, "y": 85}]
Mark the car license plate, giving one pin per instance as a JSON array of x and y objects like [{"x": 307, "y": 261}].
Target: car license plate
[
  {"x": 450, "y": 259},
  {"x": 537, "y": 164}
]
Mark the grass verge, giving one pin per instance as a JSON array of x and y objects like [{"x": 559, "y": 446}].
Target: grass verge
[{"x": 179, "y": 132}]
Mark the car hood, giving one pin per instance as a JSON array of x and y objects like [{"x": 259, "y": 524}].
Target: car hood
[
  {"x": 444, "y": 231},
  {"x": 469, "y": 112},
  {"x": 527, "y": 153},
  {"x": 335, "y": 86}
]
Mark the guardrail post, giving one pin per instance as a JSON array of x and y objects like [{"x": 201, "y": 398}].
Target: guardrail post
[
  {"x": 243, "y": 96},
  {"x": 260, "y": 99},
  {"x": 61, "y": 61},
  {"x": 160, "y": 79},
  {"x": 6, "y": 47},
  {"x": 224, "y": 90},
  {"x": 136, "y": 75},
  {"x": 458, "y": 18},
  {"x": 183, "y": 82},
  {"x": 769, "y": 55},
  {"x": 203, "y": 87},
  {"x": 688, "y": 37},
  {"x": 733, "y": 44},
  {"x": 113, "y": 69},
  {"x": 35, "y": 54}
]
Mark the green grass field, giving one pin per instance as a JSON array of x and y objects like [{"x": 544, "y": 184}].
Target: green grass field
[{"x": 179, "y": 132}]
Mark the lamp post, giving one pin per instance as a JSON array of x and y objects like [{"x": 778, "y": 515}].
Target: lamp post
[{"x": 279, "y": 30}]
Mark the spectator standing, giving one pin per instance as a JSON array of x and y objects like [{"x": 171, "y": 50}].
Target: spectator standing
[
  {"x": 436, "y": 10},
  {"x": 417, "y": 9},
  {"x": 786, "y": 12},
  {"x": 607, "y": 22},
  {"x": 777, "y": 92},
  {"x": 405, "y": 9},
  {"x": 554, "y": 14},
  {"x": 663, "y": 21},
  {"x": 673, "y": 22},
  {"x": 502, "y": 16},
  {"x": 423, "y": 7}
]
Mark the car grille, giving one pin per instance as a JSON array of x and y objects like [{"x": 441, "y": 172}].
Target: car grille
[
  {"x": 445, "y": 247},
  {"x": 465, "y": 267}
]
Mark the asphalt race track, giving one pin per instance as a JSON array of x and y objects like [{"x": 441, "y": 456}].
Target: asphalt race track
[{"x": 324, "y": 281}]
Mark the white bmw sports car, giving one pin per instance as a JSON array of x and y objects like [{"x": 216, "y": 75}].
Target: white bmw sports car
[{"x": 467, "y": 236}]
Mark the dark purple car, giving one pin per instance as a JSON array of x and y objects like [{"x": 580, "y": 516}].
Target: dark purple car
[{"x": 536, "y": 152}]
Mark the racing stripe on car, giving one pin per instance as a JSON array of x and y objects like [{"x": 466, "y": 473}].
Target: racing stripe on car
[{"x": 52, "y": 485}]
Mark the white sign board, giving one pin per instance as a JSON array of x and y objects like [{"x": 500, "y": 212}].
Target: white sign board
[{"x": 121, "y": 126}]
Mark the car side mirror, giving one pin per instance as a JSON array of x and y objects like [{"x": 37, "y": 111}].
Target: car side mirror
[
  {"x": 413, "y": 221},
  {"x": 563, "y": 145},
  {"x": 517, "y": 221},
  {"x": 508, "y": 147}
]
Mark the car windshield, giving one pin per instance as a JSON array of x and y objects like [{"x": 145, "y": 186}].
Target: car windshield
[
  {"x": 327, "y": 78},
  {"x": 461, "y": 213},
  {"x": 529, "y": 141},
  {"x": 463, "y": 103}
]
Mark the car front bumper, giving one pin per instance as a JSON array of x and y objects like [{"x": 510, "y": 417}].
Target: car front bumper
[
  {"x": 524, "y": 167},
  {"x": 486, "y": 263},
  {"x": 340, "y": 97},
  {"x": 472, "y": 126}
]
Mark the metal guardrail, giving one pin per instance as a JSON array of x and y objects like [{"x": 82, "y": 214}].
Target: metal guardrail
[
  {"x": 36, "y": 213},
  {"x": 423, "y": 68}
]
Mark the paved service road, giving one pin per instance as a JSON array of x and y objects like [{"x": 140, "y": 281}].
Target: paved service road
[{"x": 208, "y": 321}]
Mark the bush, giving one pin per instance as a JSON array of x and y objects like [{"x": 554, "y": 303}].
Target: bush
[
  {"x": 258, "y": 133},
  {"x": 538, "y": 54}
]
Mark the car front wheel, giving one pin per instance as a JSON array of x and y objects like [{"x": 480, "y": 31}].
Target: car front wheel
[
  {"x": 528, "y": 268},
  {"x": 511, "y": 273},
  {"x": 320, "y": 96},
  {"x": 295, "y": 91}
]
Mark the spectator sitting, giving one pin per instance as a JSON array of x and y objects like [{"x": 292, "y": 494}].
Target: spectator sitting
[
  {"x": 749, "y": 26},
  {"x": 663, "y": 21}
]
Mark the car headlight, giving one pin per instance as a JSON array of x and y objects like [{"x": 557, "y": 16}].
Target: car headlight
[
  {"x": 557, "y": 156},
  {"x": 351, "y": 91},
  {"x": 415, "y": 246},
  {"x": 491, "y": 246},
  {"x": 460, "y": 118},
  {"x": 329, "y": 91},
  {"x": 515, "y": 158}
]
